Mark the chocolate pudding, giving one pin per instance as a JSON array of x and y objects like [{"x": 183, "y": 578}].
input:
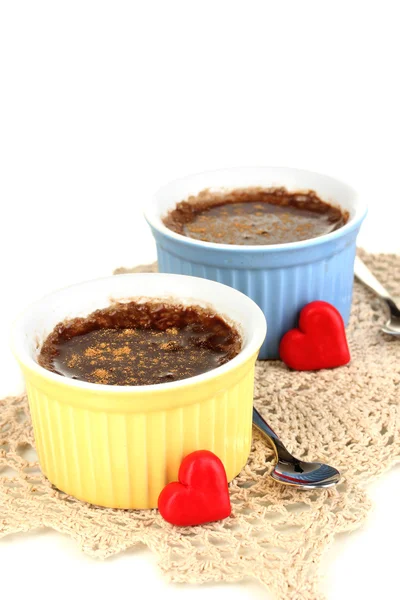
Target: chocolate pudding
[
  {"x": 254, "y": 217},
  {"x": 140, "y": 343}
]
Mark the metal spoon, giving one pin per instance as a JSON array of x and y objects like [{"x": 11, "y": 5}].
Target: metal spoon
[
  {"x": 362, "y": 273},
  {"x": 292, "y": 471}
]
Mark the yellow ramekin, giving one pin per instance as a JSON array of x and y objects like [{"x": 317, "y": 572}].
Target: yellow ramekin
[{"x": 118, "y": 446}]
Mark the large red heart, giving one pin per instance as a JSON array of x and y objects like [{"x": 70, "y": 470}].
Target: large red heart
[
  {"x": 319, "y": 342},
  {"x": 201, "y": 495}
]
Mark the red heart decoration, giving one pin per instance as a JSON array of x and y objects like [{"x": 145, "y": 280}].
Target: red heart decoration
[
  {"x": 319, "y": 342},
  {"x": 200, "y": 496}
]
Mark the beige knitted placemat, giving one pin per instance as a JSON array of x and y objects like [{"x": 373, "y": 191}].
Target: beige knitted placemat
[{"x": 349, "y": 416}]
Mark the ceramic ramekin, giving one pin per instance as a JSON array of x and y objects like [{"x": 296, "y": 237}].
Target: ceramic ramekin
[
  {"x": 118, "y": 446},
  {"x": 280, "y": 278}
]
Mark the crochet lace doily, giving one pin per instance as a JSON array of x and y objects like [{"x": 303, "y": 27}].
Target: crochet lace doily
[{"x": 348, "y": 417}]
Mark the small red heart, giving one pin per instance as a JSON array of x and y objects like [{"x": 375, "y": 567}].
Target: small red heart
[
  {"x": 200, "y": 496},
  {"x": 319, "y": 342}
]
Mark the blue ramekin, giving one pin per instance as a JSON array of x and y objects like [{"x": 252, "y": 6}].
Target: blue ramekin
[{"x": 280, "y": 278}]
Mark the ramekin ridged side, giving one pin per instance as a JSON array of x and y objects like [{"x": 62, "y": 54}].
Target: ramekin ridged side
[
  {"x": 280, "y": 291},
  {"x": 123, "y": 458}
]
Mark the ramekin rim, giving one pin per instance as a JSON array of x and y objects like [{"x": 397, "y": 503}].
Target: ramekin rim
[
  {"x": 351, "y": 224},
  {"x": 253, "y": 346}
]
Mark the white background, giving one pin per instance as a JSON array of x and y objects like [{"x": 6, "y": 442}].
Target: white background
[{"x": 100, "y": 104}]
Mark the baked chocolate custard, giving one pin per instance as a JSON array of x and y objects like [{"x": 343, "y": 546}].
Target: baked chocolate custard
[
  {"x": 140, "y": 343},
  {"x": 255, "y": 216}
]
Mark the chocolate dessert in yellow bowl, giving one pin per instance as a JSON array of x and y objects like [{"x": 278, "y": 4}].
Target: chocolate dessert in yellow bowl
[{"x": 128, "y": 374}]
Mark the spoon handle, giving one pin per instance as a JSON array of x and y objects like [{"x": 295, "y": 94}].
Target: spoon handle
[
  {"x": 281, "y": 453},
  {"x": 362, "y": 273}
]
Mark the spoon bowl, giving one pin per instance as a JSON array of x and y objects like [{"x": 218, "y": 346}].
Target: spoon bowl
[
  {"x": 306, "y": 475},
  {"x": 290, "y": 470},
  {"x": 392, "y": 326}
]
